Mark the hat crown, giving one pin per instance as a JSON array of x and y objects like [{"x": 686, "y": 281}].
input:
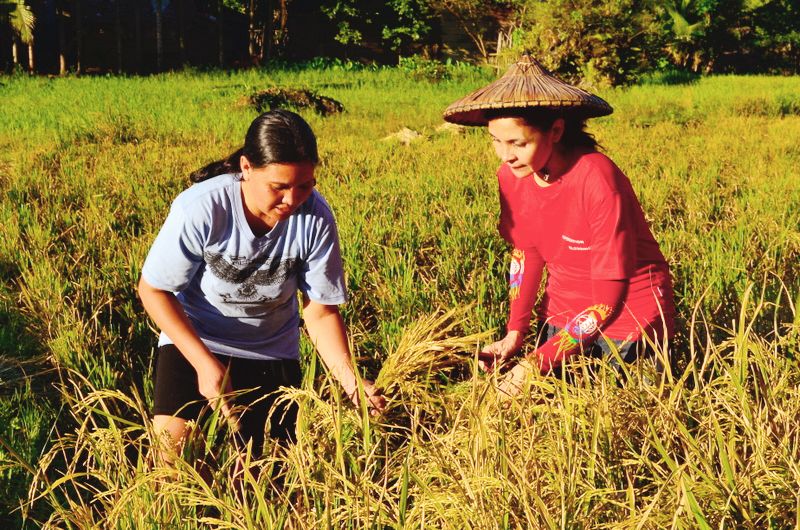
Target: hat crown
[
  {"x": 526, "y": 84},
  {"x": 527, "y": 65}
]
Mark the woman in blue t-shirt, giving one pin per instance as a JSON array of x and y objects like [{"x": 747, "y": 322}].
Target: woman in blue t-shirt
[{"x": 221, "y": 282}]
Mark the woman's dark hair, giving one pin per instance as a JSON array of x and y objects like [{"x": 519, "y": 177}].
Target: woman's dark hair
[
  {"x": 275, "y": 137},
  {"x": 542, "y": 118}
]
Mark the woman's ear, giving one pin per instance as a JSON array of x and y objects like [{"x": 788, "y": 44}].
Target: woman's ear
[
  {"x": 557, "y": 130},
  {"x": 245, "y": 166}
]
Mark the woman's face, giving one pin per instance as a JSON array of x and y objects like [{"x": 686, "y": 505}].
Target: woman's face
[
  {"x": 275, "y": 192},
  {"x": 523, "y": 147}
]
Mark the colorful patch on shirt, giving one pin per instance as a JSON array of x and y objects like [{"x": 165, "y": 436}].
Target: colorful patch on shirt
[
  {"x": 565, "y": 342},
  {"x": 588, "y": 322},
  {"x": 515, "y": 273}
]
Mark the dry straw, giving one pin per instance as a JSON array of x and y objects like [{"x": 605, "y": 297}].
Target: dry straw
[{"x": 526, "y": 84}]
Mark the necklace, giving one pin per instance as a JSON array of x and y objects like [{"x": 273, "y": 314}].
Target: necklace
[{"x": 545, "y": 175}]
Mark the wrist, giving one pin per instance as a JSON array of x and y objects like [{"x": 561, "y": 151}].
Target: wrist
[
  {"x": 347, "y": 378},
  {"x": 517, "y": 328},
  {"x": 348, "y": 382},
  {"x": 204, "y": 362},
  {"x": 350, "y": 390},
  {"x": 515, "y": 338}
]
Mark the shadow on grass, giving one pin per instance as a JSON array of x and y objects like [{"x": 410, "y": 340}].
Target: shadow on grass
[
  {"x": 670, "y": 78},
  {"x": 28, "y": 410}
]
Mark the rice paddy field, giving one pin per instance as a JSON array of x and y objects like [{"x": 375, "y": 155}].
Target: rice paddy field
[{"x": 89, "y": 166}]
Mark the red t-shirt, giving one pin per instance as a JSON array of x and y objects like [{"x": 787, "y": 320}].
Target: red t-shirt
[{"x": 588, "y": 225}]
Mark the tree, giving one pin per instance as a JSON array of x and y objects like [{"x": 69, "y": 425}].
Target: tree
[
  {"x": 221, "y": 33},
  {"x": 261, "y": 28},
  {"x": 480, "y": 19},
  {"x": 686, "y": 29},
  {"x": 731, "y": 35},
  {"x": 61, "y": 37},
  {"x": 181, "y": 9},
  {"x": 611, "y": 42},
  {"x": 348, "y": 15},
  {"x": 159, "y": 6},
  {"x": 252, "y": 31},
  {"x": 776, "y": 34},
  {"x": 19, "y": 17},
  {"x": 703, "y": 35},
  {"x": 118, "y": 34},
  {"x": 409, "y": 24},
  {"x": 137, "y": 36},
  {"x": 397, "y": 26},
  {"x": 78, "y": 16}
]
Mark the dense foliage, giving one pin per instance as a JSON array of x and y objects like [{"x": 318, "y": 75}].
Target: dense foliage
[
  {"x": 608, "y": 42},
  {"x": 616, "y": 42},
  {"x": 600, "y": 42},
  {"x": 603, "y": 42}
]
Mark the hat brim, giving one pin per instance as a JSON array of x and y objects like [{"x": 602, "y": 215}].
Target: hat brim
[{"x": 477, "y": 115}]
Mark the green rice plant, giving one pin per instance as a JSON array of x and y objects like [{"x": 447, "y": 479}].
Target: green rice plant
[
  {"x": 717, "y": 445},
  {"x": 88, "y": 167}
]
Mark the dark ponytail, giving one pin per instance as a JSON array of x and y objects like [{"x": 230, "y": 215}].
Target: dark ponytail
[
  {"x": 542, "y": 118},
  {"x": 275, "y": 137},
  {"x": 220, "y": 167}
]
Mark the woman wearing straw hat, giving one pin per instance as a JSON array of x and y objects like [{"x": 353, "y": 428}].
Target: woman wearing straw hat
[{"x": 566, "y": 208}]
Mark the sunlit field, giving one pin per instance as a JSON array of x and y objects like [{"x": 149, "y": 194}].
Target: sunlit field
[{"x": 89, "y": 166}]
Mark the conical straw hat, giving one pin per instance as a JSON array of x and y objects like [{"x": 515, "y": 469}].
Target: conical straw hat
[{"x": 526, "y": 84}]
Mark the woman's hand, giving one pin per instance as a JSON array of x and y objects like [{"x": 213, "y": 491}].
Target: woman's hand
[
  {"x": 499, "y": 352},
  {"x": 376, "y": 403},
  {"x": 168, "y": 314},
  {"x": 213, "y": 382},
  {"x": 326, "y": 330},
  {"x": 512, "y": 383}
]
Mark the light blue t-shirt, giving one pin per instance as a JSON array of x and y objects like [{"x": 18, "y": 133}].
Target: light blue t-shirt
[{"x": 238, "y": 290}]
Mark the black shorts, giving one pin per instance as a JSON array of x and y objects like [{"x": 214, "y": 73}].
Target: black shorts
[{"x": 177, "y": 394}]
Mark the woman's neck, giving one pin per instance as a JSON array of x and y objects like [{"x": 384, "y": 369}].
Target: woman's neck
[{"x": 559, "y": 164}]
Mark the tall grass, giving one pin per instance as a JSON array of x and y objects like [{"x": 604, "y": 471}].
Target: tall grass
[{"x": 88, "y": 167}]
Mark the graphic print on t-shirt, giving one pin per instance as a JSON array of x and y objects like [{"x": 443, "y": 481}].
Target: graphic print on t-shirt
[
  {"x": 515, "y": 273},
  {"x": 249, "y": 275},
  {"x": 575, "y": 244}
]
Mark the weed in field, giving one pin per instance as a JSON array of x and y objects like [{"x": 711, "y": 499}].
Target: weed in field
[{"x": 275, "y": 98}]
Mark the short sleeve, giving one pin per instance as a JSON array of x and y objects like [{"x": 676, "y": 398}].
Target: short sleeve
[
  {"x": 176, "y": 253},
  {"x": 613, "y": 254},
  {"x": 322, "y": 273}
]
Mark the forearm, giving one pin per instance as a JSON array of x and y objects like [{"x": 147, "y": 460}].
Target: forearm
[
  {"x": 327, "y": 332},
  {"x": 584, "y": 327},
  {"x": 168, "y": 314},
  {"x": 524, "y": 277}
]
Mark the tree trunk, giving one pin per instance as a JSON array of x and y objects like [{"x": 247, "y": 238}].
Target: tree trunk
[
  {"x": 62, "y": 39},
  {"x": 284, "y": 19},
  {"x": 137, "y": 24},
  {"x": 252, "y": 37},
  {"x": 14, "y": 51},
  {"x": 78, "y": 37},
  {"x": 31, "y": 63},
  {"x": 182, "y": 31},
  {"x": 159, "y": 40},
  {"x": 269, "y": 30},
  {"x": 118, "y": 32},
  {"x": 220, "y": 34}
]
